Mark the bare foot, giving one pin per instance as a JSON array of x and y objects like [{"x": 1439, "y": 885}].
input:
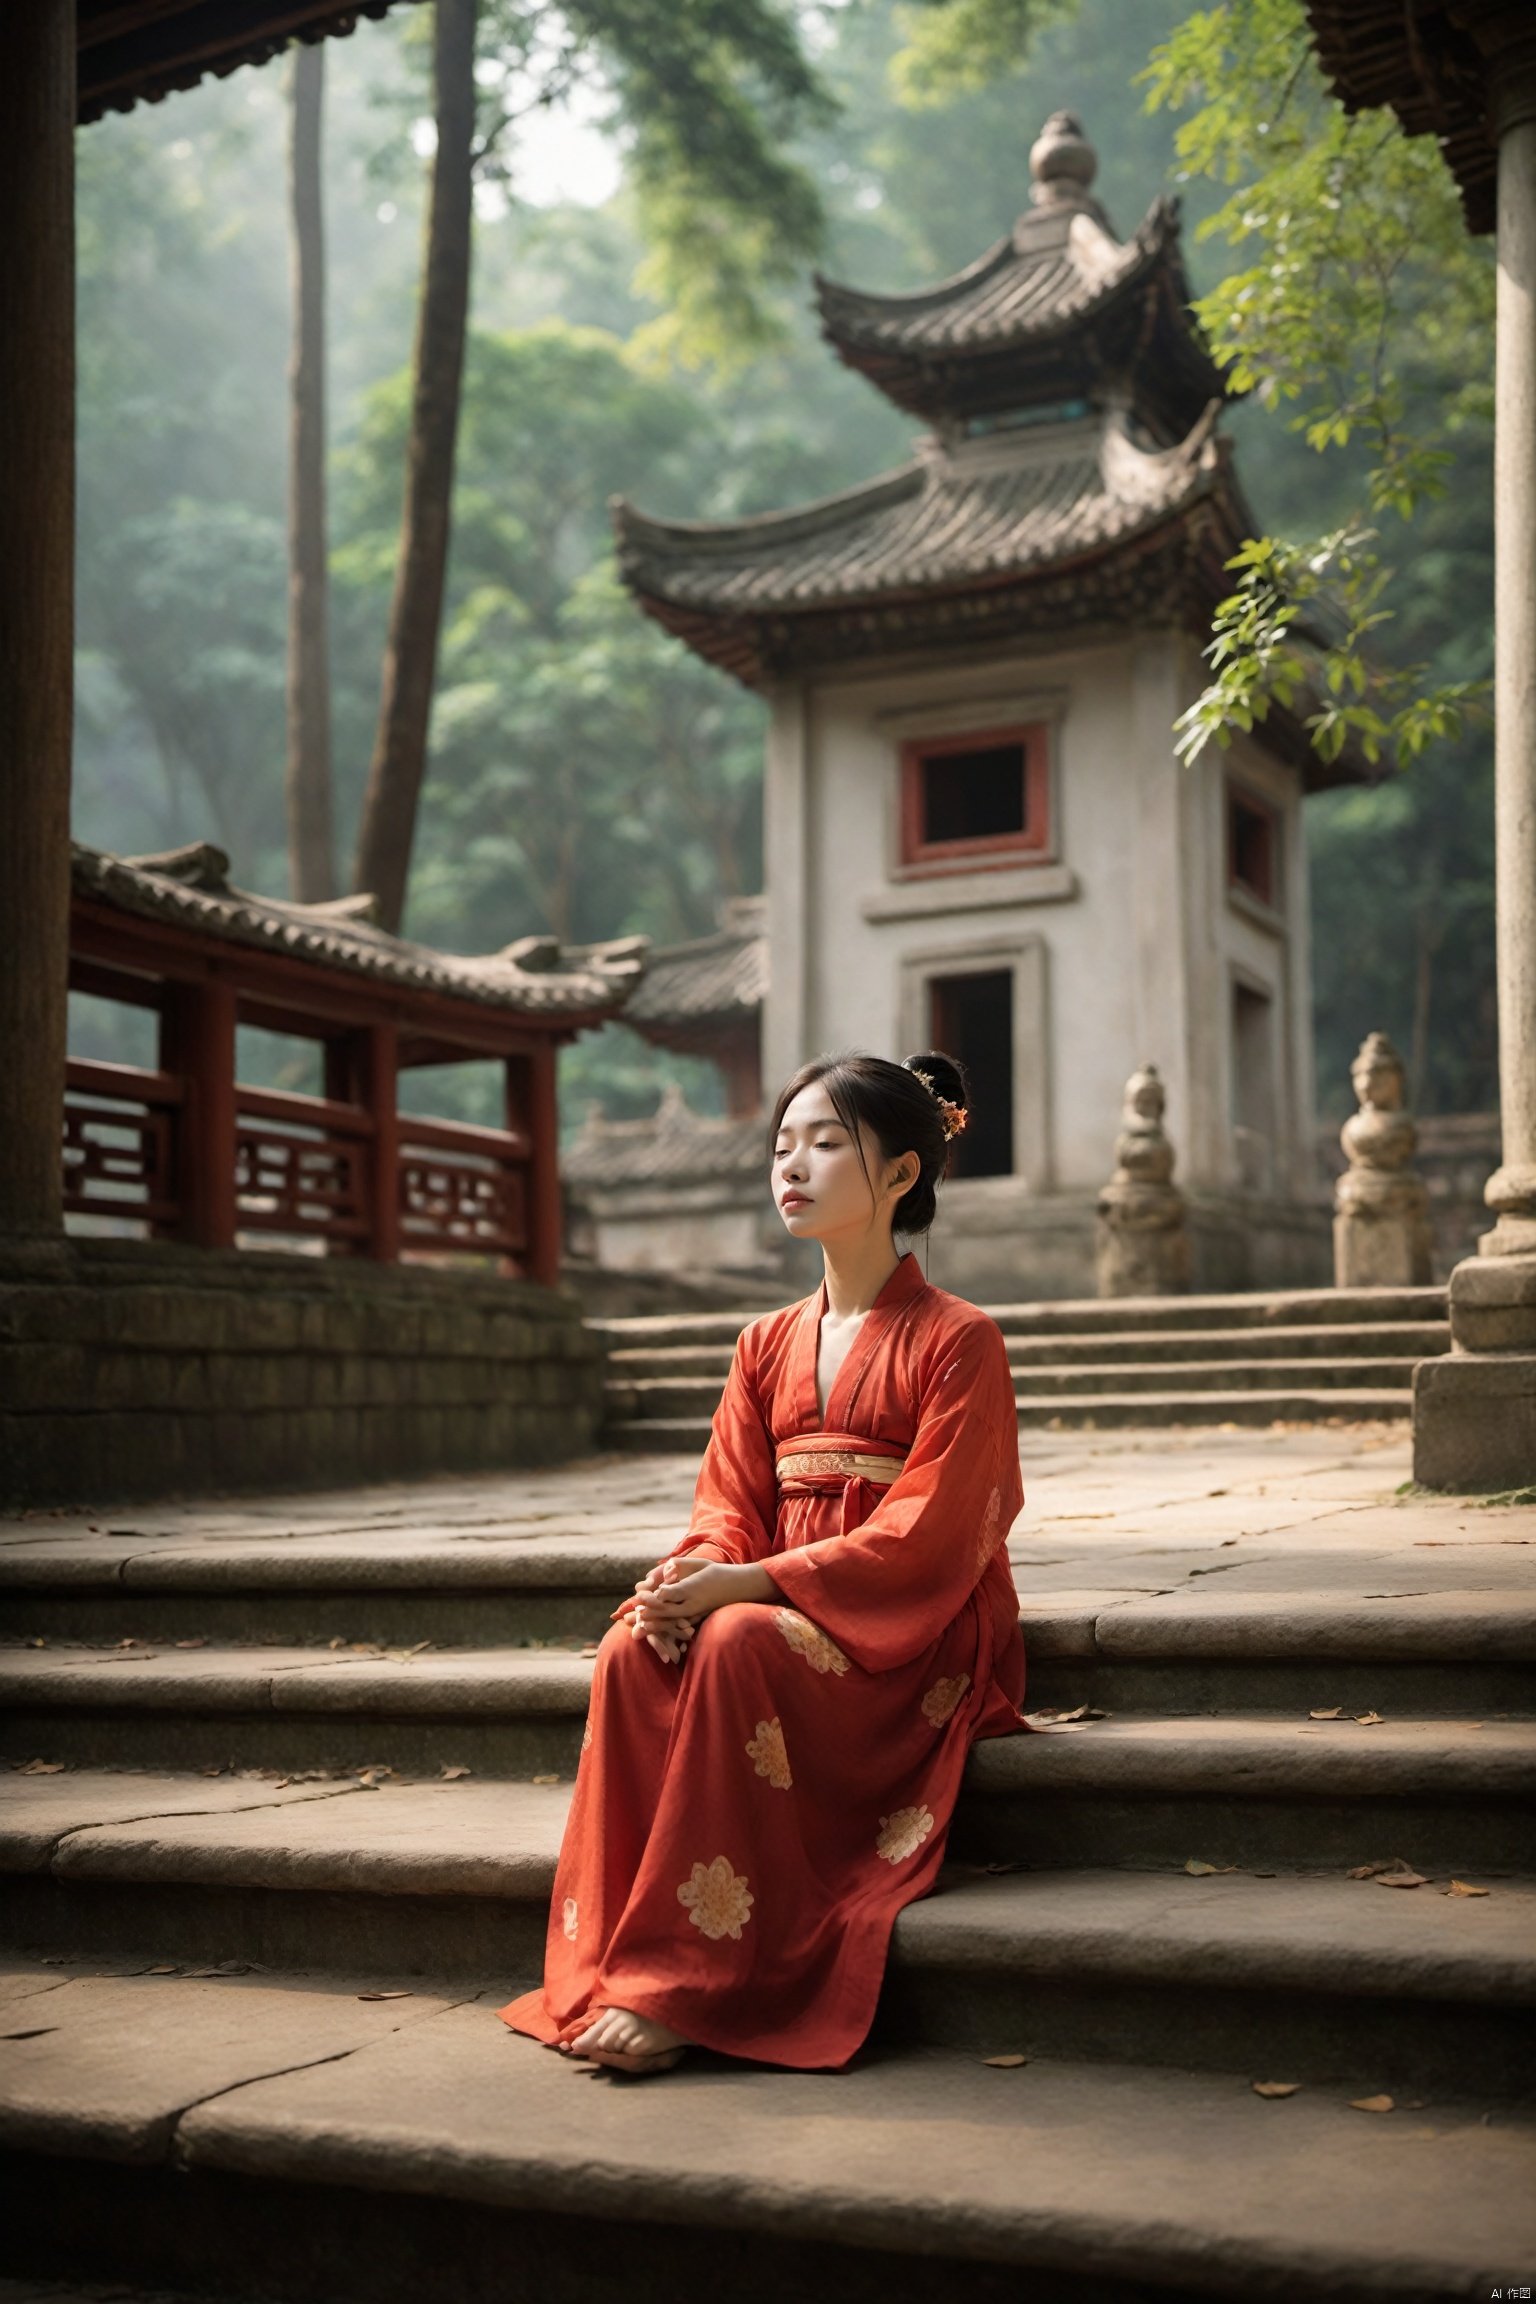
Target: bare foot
[{"x": 626, "y": 2042}]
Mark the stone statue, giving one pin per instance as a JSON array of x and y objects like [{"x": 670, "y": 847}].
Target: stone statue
[
  {"x": 1381, "y": 1235},
  {"x": 1143, "y": 1243}
]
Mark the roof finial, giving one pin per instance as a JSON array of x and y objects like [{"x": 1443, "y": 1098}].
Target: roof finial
[{"x": 1062, "y": 162}]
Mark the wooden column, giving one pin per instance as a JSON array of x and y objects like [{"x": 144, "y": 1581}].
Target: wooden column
[
  {"x": 197, "y": 1040},
  {"x": 532, "y": 1107},
  {"x": 37, "y": 543},
  {"x": 381, "y": 1085}
]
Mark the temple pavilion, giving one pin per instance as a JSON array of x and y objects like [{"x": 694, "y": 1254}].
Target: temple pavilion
[{"x": 978, "y": 835}]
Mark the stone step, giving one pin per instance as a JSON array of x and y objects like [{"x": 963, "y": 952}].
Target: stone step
[
  {"x": 338, "y": 2150},
  {"x": 1148, "y": 1315},
  {"x": 1159, "y": 1966},
  {"x": 1407, "y": 1341},
  {"x": 1126, "y": 1791},
  {"x": 1404, "y": 1340},
  {"x": 386, "y": 1587},
  {"x": 1043, "y": 1382},
  {"x": 1120, "y": 1410}
]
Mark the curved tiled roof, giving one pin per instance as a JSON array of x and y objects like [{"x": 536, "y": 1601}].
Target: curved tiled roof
[
  {"x": 1433, "y": 64},
  {"x": 138, "y": 51},
  {"x": 713, "y": 979},
  {"x": 1005, "y": 507},
  {"x": 1058, "y": 309},
  {"x": 675, "y": 1146},
  {"x": 188, "y": 888}
]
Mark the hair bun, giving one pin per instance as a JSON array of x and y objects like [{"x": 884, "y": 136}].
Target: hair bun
[{"x": 942, "y": 1075}]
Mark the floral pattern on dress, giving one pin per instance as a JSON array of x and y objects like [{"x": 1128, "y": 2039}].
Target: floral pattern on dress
[
  {"x": 718, "y": 1899},
  {"x": 901, "y": 1834},
  {"x": 808, "y": 1640},
  {"x": 568, "y": 1920},
  {"x": 768, "y": 1756},
  {"x": 942, "y": 1698}
]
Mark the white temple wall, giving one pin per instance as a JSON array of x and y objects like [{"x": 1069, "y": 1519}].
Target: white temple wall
[{"x": 1126, "y": 942}]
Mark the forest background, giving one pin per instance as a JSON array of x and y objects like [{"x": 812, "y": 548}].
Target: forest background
[{"x": 587, "y": 775}]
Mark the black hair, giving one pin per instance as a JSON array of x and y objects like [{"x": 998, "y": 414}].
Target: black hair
[{"x": 899, "y": 1108}]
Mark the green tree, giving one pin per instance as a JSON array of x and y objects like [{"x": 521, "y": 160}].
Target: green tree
[{"x": 707, "y": 91}]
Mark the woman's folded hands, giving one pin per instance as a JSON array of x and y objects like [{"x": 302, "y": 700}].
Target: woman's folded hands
[{"x": 671, "y": 1599}]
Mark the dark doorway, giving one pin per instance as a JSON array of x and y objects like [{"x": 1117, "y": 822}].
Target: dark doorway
[
  {"x": 1253, "y": 1087},
  {"x": 972, "y": 1019}
]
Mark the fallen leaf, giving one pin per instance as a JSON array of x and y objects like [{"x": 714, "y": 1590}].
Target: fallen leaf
[
  {"x": 451, "y": 1775},
  {"x": 1371, "y": 2104},
  {"x": 1199, "y": 1871},
  {"x": 384, "y": 1995},
  {"x": 1465, "y": 1888},
  {"x": 1333, "y": 1712},
  {"x": 590, "y": 1649},
  {"x": 1369, "y": 1871},
  {"x": 546, "y": 1779},
  {"x": 37, "y": 2030},
  {"x": 42, "y": 1768},
  {"x": 166, "y": 1968},
  {"x": 999, "y": 1867},
  {"x": 1266, "y": 1875},
  {"x": 1275, "y": 2087},
  {"x": 213, "y": 1771},
  {"x": 1401, "y": 1880},
  {"x": 1005, "y": 2063},
  {"x": 191, "y": 1643},
  {"x": 1368, "y": 1719},
  {"x": 370, "y": 1779},
  {"x": 335, "y": 1643}
]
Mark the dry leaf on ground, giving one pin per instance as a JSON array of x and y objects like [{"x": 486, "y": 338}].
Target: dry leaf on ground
[
  {"x": 546, "y": 1779},
  {"x": 166, "y": 1968},
  {"x": 1401, "y": 1880},
  {"x": 1369, "y": 1719},
  {"x": 1465, "y": 1888},
  {"x": 451, "y": 1775},
  {"x": 199, "y": 1643},
  {"x": 1275, "y": 2087},
  {"x": 1199, "y": 1871},
  {"x": 384, "y": 1995},
  {"x": 1005, "y": 2063},
  {"x": 1369, "y": 1871},
  {"x": 1332, "y": 1712},
  {"x": 42, "y": 1768},
  {"x": 1371, "y": 2104}
]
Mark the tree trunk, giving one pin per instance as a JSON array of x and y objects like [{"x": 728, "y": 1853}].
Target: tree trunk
[
  {"x": 410, "y": 656},
  {"x": 37, "y": 520},
  {"x": 311, "y": 852}
]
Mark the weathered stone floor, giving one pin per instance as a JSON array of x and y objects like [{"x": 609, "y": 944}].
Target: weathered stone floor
[{"x": 267, "y": 1757}]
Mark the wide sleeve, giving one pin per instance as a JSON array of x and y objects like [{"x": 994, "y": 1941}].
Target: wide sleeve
[
  {"x": 735, "y": 1503},
  {"x": 886, "y": 1590}
]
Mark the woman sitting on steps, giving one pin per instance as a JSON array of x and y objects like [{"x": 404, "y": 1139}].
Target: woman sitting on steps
[{"x": 781, "y": 1717}]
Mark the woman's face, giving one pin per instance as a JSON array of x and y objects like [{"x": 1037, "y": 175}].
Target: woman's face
[{"x": 820, "y": 1187}]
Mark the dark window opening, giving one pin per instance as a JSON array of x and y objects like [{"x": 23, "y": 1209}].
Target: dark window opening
[
  {"x": 972, "y": 1020},
  {"x": 974, "y": 795},
  {"x": 967, "y": 801},
  {"x": 1251, "y": 847}
]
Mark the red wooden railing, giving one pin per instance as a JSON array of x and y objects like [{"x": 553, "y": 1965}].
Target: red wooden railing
[{"x": 302, "y": 1168}]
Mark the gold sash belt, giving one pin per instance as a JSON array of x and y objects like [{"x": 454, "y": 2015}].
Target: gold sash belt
[{"x": 838, "y": 1464}]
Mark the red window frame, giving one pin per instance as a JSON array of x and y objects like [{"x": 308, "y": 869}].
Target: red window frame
[
  {"x": 1240, "y": 796},
  {"x": 1032, "y": 845}
]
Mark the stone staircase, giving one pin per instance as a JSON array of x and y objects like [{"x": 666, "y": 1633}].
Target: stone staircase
[
  {"x": 1248, "y": 1360},
  {"x": 285, "y": 1800}
]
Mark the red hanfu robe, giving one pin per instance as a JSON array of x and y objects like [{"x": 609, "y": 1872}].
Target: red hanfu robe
[{"x": 746, "y": 1826}]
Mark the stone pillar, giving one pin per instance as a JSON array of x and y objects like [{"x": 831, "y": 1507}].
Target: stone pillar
[
  {"x": 1143, "y": 1244},
  {"x": 1381, "y": 1233},
  {"x": 1474, "y": 1411},
  {"x": 37, "y": 520}
]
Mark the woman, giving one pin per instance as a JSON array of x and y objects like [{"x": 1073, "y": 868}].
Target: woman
[{"x": 781, "y": 1717}]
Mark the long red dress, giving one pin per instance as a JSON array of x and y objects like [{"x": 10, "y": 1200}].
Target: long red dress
[{"x": 746, "y": 1826}]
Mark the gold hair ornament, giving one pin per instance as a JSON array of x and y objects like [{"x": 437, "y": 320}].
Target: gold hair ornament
[{"x": 952, "y": 1117}]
